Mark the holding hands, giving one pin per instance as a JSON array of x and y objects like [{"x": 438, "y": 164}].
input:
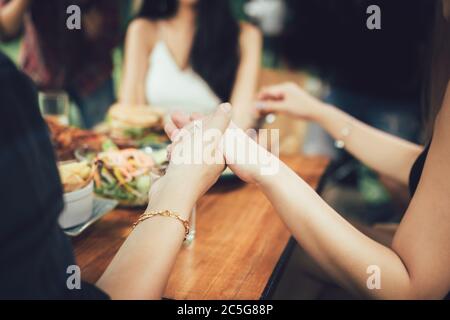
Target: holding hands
[
  {"x": 201, "y": 171},
  {"x": 200, "y": 159},
  {"x": 229, "y": 146}
]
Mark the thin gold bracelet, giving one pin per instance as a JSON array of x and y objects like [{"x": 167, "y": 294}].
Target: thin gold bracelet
[
  {"x": 163, "y": 213},
  {"x": 345, "y": 132}
]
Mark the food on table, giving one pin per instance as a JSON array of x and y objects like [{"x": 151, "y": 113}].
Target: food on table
[
  {"x": 75, "y": 175},
  {"x": 124, "y": 175},
  {"x": 136, "y": 126},
  {"x": 86, "y": 153},
  {"x": 76, "y": 178},
  {"x": 67, "y": 139}
]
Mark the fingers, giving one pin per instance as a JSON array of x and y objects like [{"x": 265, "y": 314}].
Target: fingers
[
  {"x": 269, "y": 106},
  {"x": 196, "y": 116},
  {"x": 269, "y": 95},
  {"x": 180, "y": 119},
  {"x": 275, "y": 92},
  {"x": 169, "y": 152},
  {"x": 171, "y": 130},
  {"x": 221, "y": 118}
]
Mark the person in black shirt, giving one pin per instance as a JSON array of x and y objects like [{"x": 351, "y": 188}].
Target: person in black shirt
[{"x": 34, "y": 252}]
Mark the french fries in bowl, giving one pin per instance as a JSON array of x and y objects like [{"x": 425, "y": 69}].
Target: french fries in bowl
[
  {"x": 76, "y": 179},
  {"x": 75, "y": 175}
]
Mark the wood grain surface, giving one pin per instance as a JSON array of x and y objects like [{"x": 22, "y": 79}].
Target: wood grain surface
[{"x": 239, "y": 239}]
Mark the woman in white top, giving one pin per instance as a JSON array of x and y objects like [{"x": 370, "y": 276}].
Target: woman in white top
[{"x": 190, "y": 55}]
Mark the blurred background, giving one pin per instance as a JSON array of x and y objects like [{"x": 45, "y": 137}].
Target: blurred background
[{"x": 324, "y": 46}]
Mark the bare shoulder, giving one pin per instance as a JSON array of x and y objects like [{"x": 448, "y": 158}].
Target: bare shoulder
[
  {"x": 143, "y": 29},
  {"x": 249, "y": 32},
  {"x": 142, "y": 26}
]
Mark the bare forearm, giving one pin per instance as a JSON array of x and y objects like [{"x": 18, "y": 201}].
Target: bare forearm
[
  {"x": 243, "y": 100},
  {"x": 132, "y": 94},
  {"x": 132, "y": 88},
  {"x": 242, "y": 115},
  {"x": 141, "y": 268},
  {"x": 247, "y": 77},
  {"x": 339, "y": 248},
  {"x": 372, "y": 146},
  {"x": 137, "y": 51},
  {"x": 11, "y": 17}
]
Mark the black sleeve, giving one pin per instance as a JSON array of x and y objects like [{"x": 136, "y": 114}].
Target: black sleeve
[{"x": 34, "y": 252}]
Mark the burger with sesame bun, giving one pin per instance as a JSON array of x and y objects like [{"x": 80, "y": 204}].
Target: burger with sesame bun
[{"x": 136, "y": 126}]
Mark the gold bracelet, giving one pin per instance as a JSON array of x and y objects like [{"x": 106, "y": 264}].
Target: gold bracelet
[{"x": 163, "y": 213}]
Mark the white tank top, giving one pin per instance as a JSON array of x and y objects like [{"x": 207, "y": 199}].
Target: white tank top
[{"x": 172, "y": 89}]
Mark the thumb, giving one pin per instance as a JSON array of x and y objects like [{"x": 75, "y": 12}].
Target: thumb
[
  {"x": 221, "y": 118},
  {"x": 275, "y": 92}
]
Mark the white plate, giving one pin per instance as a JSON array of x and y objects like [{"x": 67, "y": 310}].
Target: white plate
[
  {"x": 100, "y": 208},
  {"x": 77, "y": 206}
]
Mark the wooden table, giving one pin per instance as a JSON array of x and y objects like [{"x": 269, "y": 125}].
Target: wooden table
[{"x": 238, "y": 244}]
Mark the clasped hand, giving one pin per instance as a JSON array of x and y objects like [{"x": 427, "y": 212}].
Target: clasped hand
[{"x": 203, "y": 146}]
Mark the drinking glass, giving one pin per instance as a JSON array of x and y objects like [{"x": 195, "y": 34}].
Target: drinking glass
[{"x": 55, "y": 104}]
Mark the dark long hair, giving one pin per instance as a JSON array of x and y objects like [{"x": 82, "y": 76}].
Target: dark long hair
[{"x": 215, "y": 52}]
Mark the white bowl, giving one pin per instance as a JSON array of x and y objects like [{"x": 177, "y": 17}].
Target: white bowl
[{"x": 77, "y": 207}]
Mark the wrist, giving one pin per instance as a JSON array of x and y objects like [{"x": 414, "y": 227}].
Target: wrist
[
  {"x": 281, "y": 183},
  {"x": 169, "y": 194},
  {"x": 270, "y": 184},
  {"x": 321, "y": 112},
  {"x": 267, "y": 181}
]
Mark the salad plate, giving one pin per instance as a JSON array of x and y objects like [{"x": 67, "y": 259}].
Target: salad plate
[{"x": 125, "y": 175}]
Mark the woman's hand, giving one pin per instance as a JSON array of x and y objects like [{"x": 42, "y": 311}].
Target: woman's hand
[
  {"x": 196, "y": 159},
  {"x": 249, "y": 160},
  {"x": 289, "y": 98},
  {"x": 246, "y": 158}
]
